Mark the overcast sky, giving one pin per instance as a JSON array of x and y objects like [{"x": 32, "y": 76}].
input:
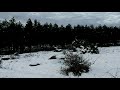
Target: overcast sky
[{"x": 74, "y": 18}]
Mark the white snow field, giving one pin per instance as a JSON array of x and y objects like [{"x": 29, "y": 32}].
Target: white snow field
[{"x": 105, "y": 65}]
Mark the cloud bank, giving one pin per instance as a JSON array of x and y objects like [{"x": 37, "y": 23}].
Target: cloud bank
[{"x": 74, "y": 18}]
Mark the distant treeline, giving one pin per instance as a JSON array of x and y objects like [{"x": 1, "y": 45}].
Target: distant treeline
[{"x": 14, "y": 36}]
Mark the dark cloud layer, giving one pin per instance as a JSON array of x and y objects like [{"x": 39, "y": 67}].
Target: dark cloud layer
[{"x": 74, "y": 18}]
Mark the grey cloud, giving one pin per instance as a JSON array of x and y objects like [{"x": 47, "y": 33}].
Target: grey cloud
[{"x": 74, "y": 18}]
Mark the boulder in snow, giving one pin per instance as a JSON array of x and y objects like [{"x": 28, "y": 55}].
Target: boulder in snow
[
  {"x": 34, "y": 64},
  {"x": 57, "y": 50},
  {"x": 62, "y": 58},
  {"x": 5, "y": 58},
  {"x": 53, "y": 57}
]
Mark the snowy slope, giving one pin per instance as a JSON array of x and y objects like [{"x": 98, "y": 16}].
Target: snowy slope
[
  {"x": 107, "y": 65},
  {"x": 20, "y": 67}
]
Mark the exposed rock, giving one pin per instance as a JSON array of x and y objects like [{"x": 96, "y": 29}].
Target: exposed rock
[
  {"x": 34, "y": 64},
  {"x": 53, "y": 57},
  {"x": 7, "y": 58},
  {"x": 57, "y": 50},
  {"x": 62, "y": 58}
]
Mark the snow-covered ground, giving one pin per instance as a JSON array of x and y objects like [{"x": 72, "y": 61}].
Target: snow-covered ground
[{"x": 106, "y": 65}]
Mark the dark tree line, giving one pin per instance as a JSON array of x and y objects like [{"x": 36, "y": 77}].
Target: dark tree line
[{"x": 16, "y": 37}]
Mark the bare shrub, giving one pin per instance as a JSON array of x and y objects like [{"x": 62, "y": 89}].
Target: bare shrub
[{"x": 75, "y": 64}]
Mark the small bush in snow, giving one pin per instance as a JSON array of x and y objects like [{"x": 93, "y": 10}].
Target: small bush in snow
[
  {"x": 85, "y": 46},
  {"x": 14, "y": 56},
  {"x": 94, "y": 49},
  {"x": 64, "y": 52},
  {"x": 75, "y": 64}
]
